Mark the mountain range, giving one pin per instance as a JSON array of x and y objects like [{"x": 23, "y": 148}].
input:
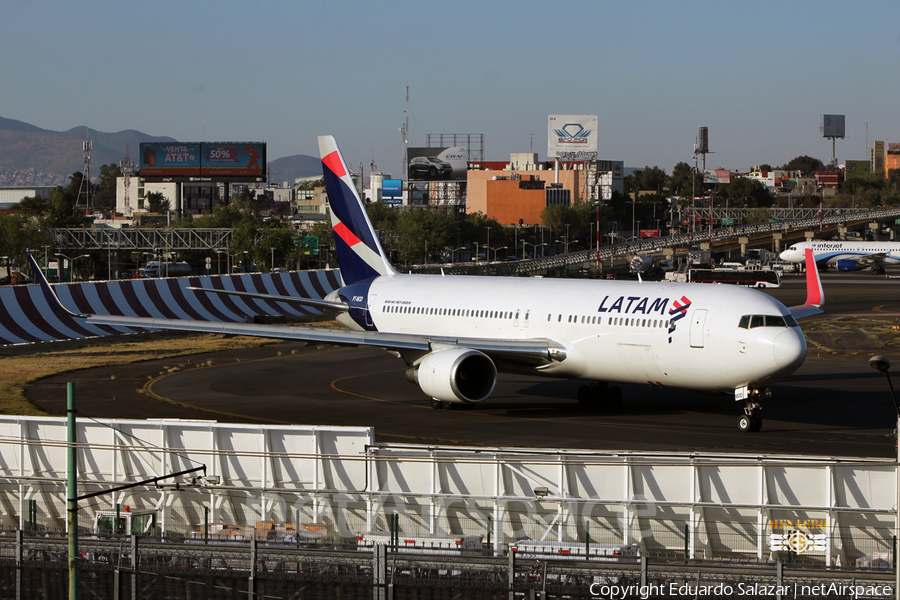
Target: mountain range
[{"x": 35, "y": 157}]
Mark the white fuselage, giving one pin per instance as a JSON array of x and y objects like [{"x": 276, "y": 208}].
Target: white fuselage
[
  {"x": 831, "y": 252},
  {"x": 666, "y": 334}
]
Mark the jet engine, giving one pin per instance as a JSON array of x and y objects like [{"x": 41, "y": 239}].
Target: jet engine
[
  {"x": 458, "y": 375},
  {"x": 847, "y": 264}
]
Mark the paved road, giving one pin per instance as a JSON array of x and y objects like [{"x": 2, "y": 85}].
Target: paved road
[{"x": 834, "y": 405}]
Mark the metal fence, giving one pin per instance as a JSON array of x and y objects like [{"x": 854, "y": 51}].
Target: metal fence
[{"x": 145, "y": 568}]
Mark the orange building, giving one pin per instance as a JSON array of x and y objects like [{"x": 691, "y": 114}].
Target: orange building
[{"x": 507, "y": 200}]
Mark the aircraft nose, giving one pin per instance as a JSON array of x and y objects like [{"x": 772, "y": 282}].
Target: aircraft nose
[
  {"x": 785, "y": 256},
  {"x": 790, "y": 349}
]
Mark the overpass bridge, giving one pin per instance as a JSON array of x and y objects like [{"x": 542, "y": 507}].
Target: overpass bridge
[
  {"x": 723, "y": 239},
  {"x": 789, "y": 225}
]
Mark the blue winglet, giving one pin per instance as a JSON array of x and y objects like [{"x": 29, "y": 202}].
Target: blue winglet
[{"x": 49, "y": 295}]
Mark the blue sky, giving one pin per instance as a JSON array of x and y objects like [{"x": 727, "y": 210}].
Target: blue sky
[{"x": 758, "y": 74}]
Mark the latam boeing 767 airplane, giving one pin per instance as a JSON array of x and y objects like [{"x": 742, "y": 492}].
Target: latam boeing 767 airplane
[{"x": 456, "y": 333}]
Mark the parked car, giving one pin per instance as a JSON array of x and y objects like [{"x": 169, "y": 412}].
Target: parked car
[{"x": 429, "y": 166}]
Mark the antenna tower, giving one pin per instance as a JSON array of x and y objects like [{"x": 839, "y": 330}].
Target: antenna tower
[
  {"x": 84, "y": 191},
  {"x": 404, "y": 130},
  {"x": 127, "y": 167}
]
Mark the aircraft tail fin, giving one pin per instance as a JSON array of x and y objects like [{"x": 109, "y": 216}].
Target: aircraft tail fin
[
  {"x": 359, "y": 252},
  {"x": 815, "y": 296}
]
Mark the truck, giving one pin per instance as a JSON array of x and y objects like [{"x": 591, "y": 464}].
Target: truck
[{"x": 156, "y": 268}]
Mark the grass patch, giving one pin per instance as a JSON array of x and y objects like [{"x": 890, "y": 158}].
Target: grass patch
[{"x": 25, "y": 364}]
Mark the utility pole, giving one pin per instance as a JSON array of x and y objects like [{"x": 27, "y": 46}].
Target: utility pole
[{"x": 72, "y": 491}]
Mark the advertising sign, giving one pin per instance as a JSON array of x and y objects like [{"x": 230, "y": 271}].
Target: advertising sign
[
  {"x": 648, "y": 233},
  {"x": 436, "y": 164},
  {"x": 170, "y": 158},
  {"x": 832, "y": 126},
  {"x": 239, "y": 160},
  {"x": 857, "y": 167},
  {"x": 717, "y": 176},
  {"x": 572, "y": 137},
  {"x": 391, "y": 188},
  {"x": 878, "y": 156}
]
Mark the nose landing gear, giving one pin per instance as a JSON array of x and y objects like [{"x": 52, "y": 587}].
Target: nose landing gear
[{"x": 751, "y": 420}]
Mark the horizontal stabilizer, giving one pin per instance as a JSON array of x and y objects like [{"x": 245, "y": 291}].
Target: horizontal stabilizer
[{"x": 313, "y": 303}]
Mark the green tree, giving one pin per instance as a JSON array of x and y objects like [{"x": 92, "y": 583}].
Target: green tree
[
  {"x": 684, "y": 181},
  {"x": 62, "y": 208},
  {"x": 805, "y": 164},
  {"x": 741, "y": 191},
  {"x": 157, "y": 203},
  {"x": 420, "y": 230},
  {"x": 32, "y": 204},
  {"x": 651, "y": 179},
  {"x": 19, "y": 233},
  {"x": 105, "y": 194}
]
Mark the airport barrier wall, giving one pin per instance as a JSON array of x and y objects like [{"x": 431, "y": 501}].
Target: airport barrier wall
[
  {"x": 334, "y": 485},
  {"x": 26, "y": 317}
]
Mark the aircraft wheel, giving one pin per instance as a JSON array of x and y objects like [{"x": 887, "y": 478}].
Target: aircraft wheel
[
  {"x": 745, "y": 423},
  {"x": 757, "y": 423},
  {"x": 586, "y": 395},
  {"x": 614, "y": 397},
  {"x": 436, "y": 404},
  {"x": 447, "y": 405}
]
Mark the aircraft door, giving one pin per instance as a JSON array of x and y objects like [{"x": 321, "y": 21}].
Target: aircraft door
[
  {"x": 370, "y": 307},
  {"x": 698, "y": 322}
]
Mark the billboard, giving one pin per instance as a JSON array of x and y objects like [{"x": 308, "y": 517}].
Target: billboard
[
  {"x": 436, "y": 164},
  {"x": 878, "y": 156},
  {"x": 832, "y": 126},
  {"x": 855, "y": 168},
  {"x": 572, "y": 137},
  {"x": 716, "y": 176},
  {"x": 211, "y": 160}
]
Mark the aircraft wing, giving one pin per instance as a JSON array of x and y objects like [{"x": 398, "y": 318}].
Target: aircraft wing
[
  {"x": 532, "y": 351},
  {"x": 815, "y": 296},
  {"x": 868, "y": 259}
]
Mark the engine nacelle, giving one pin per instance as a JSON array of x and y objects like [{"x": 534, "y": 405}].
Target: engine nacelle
[
  {"x": 457, "y": 375},
  {"x": 847, "y": 264}
]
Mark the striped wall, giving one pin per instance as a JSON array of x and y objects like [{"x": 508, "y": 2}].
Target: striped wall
[{"x": 26, "y": 317}]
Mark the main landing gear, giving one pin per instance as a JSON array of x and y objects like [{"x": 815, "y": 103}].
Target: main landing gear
[
  {"x": 751, "y": 421},
  {"x": 600, "y": 395}
]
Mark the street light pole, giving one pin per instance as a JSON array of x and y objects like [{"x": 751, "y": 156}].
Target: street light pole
[{"x": 881, "y": 363}]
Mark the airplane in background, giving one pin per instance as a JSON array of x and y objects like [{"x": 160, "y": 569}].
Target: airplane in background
[
  {"x": 456, "y": 333},
  {"x": 846, "y": 256}
]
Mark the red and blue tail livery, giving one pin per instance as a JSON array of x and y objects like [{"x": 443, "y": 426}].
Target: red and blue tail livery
[{"x": 359, "y": 252}]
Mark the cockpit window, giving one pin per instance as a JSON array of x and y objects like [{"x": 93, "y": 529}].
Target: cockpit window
[{"x": 753, "y": 321}]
